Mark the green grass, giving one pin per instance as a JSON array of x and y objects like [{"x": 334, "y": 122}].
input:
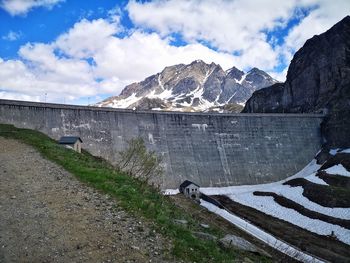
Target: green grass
[{"x": 132, "y": 195}]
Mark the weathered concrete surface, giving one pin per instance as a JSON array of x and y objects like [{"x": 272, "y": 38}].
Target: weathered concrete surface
[{"x": 209, "y": 149}]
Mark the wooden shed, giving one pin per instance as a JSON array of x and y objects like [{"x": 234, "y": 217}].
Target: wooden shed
[
  {"x": 72, "y": 142},
  {"x": 190, "y": 189}
]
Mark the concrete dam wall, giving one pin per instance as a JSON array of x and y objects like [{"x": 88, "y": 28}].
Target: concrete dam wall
[{"x": 208, "y": 148}]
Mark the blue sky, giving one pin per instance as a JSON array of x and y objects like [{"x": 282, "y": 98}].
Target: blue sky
[
  {"x": 44, "y": 24},
  {"x": 80, "y": 52}
]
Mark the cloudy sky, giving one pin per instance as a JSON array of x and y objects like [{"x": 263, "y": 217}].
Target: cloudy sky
[{"x": 80, "y": 52}]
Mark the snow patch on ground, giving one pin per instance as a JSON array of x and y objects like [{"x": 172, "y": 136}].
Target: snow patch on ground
[
  {"x": 338, "y": 169},
  {"x": 315, "y": 179},
  {"x": 171, "y": 191},
  {"x": 334, "y": 151},
  {"x": 338, "y": 150},
  {"x": 292, "y": 193},
  {"x": 267, "y": 205},
  {"x": 260, "y": 234},
  {"x": 309, "y": 169},
  {"x": 244, "y": 195},
  {"x": 345, "y": 151},
  {"x": 296, "y": 194}
]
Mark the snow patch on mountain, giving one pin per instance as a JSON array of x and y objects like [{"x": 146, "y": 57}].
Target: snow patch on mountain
[{"x": 194, "y": 87}]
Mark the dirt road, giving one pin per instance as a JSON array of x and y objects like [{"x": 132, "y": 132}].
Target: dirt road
[{"x": 47, "y": 215}]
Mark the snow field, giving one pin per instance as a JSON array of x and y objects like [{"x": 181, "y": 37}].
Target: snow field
[
  {"x": 338, "y": 169},
  {"x": 261, "y": 235},
  {"x": 266, "y": 204}
]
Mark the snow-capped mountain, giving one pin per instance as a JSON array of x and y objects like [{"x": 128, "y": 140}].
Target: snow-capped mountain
[{"x": 194, "y": 87}]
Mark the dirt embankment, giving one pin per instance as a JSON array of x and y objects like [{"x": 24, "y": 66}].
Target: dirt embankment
[{"x": 49, "y": 216}]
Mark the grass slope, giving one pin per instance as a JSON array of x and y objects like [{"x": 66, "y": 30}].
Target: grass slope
[{"x": 133, "y": 196}]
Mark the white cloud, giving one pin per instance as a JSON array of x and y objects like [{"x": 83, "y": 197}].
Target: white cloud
[
  {"x": 12, "y": 36},
  {"x": 21, "y": 7},
  {"x": 19, "y": 96},
  {"x": 86, "y": 37},
  {"x": 227, "y": 25},
  {"x": 69, "y": 80},
  {"x": 318, "y": 21},
  {"x": 232, "y": 26},
  {"x": 280, "y": 76},
  {"x": 240, "y": 26},
  {"x": 131, "y": 58},
  {"x": 140, "y": 55},
  {"x": 89, "y": 60}
]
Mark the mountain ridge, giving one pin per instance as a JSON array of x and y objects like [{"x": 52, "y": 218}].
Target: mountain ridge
[{"x": 197, "y": 86}]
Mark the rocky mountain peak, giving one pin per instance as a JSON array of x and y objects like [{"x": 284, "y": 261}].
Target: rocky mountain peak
[
  {"x": 199, "y": 62},
  {"x": 197, "y": 86},
  {"x": 255, "y": 70},
  {"x": 235, "y": 73},
  {"x": 259, "y": 78}
]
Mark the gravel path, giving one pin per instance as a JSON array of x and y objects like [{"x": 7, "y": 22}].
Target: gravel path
[{"x": 49, "y": 216}]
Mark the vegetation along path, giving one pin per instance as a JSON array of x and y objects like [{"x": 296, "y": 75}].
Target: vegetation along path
[
  {"x": 61, "y": 206},
  {"x": 47, "y": 215}
]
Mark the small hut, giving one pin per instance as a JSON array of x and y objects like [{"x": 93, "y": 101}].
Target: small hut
[
  {"x": 72, "y": 142},
  {"x": 190, "y": 189}
]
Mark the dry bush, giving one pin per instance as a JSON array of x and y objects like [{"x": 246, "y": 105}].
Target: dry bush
[{"x": 140, "y": 163}]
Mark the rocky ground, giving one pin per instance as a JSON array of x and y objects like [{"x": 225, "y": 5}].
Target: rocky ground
[
  {"x": 203, "y": 215},
  {"x": 47, "y": 215}
]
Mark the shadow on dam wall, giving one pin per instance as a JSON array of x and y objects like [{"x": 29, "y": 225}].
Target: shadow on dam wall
[{"x": 211, "y": 149}]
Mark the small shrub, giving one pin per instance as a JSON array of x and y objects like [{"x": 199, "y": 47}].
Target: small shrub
[{"x": 140, "y": 163}]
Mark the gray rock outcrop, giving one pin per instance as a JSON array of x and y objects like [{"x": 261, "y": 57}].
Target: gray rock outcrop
[
  {"x": 232, "y": 241},
  {"x": 318, "y": 80}
]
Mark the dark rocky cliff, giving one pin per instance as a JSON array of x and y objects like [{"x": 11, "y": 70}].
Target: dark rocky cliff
[{"x": 318, "y": 80}]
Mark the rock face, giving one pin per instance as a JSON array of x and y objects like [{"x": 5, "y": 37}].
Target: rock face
[
  {"x": 233, "y": 241},
  {"x": 318, "y": 80},
  {"x": 194, "y": 87}
]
